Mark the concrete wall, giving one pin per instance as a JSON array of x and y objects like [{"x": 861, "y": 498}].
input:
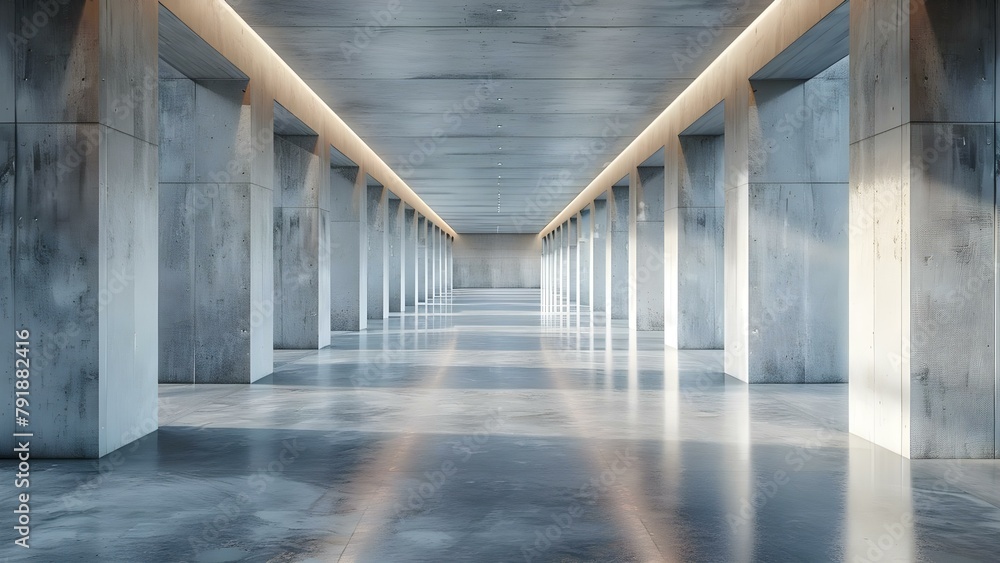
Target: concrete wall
[
  {"x": 647, "y": 264},
  {"x": 348, "y": 249},
  {"x": 78, "y": 220},
  {"x": 301, "y": 243},
  {"x": 497, "y": 261},
  {"x": 923, "y": 229}
]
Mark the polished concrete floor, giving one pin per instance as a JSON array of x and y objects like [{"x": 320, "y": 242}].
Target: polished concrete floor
[{"x": 481, "y": 430}]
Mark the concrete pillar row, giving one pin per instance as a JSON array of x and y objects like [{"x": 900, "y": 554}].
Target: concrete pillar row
[
  {"x": 646, "y": 261},
  {"x": 923, "y": 228},
  {"x": 80, "y": 276},
  {"x": 786, "y": 230}
]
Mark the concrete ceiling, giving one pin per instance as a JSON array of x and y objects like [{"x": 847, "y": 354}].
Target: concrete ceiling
[{"x": 426, "y": 83}]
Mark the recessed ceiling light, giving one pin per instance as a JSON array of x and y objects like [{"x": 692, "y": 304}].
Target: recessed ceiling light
[
  {"x": 499, "y": 99},
  {"x": 499, "y": 164},
  {"x": 499, "y": 126},
  {"x": 499, "y": 9}
]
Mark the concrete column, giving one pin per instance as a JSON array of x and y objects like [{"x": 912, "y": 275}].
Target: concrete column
[
  {"x": 695, "y": 208},
  {"x": 547, "y": 270},
  {"x": 572, "y": 282},
  {"x": 544, "y": 260},
  {"x": 78, "y": 222},
  {"x": 786, "y": 297},
  {"x": 349, "y": 249},
  {"x": 301, "y": 243},
  {"x": 397, "y": 255},
  {"x": 216, "y": 231},
  {"x": 618, "y": 250},
  {"x": 600, "y": 261},
  {"x": 423, "y": 273},
  {"x": 585, "y": 250},
  {"x": 923, "y": 228},
  {"x": 646, "y": 264},
  {"x": 378, "y": 253},
  {"x": 411, "y": 270},
  {"x": 565, "y": 265}
]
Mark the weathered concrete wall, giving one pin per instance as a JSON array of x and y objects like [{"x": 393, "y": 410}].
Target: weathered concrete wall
[
  {"x": 78, "y": 217},
  {"x": 215, "y": 232},
  {"x": 301, "y": 243},
  {"x": 923, "y": 229},
  {"x": 794, "y": 231},
  {"x": 618, "y": 211},
  {"x": 348, "y": 249},
  {"x": 694, "y": 296},
  {"x": 600, "y": 263},
  {"x": 411, "y": 271},
  {"x": 585, "y": 247},
  {"x": 497, "y": 261},
  {"x": 423, "y": 271},
  {"x": 647, "y": 270},
  {"x": 397, "y": 255},
  {"x": 378, "y": 253}
]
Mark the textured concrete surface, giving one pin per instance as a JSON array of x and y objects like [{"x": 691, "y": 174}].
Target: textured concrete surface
[
  {"x": 79, "y": 219},
  {"x": 397, "y": 254},
  {"x": 648, "y": 268},
  {"x": 491, "y": 433},
  {"x": 378, "y": 253},
  {"x": 497, "y": 261},
  {"x": 694, "y": 297},
  {"x": 423, "y": 272},
  {"x": 923, "y": 230},
  {"x": 794, "y": 326},
  {"x": 410, "y": 271},
  {"x": 585, "y": 246},
  {"x": 923, "y": 182},
  {"x": 216, "y": 232},
  {"x": 349, "y": 249},
  {"x": 301, "y": 243},
  {"x": 601, "y": 270},
  {"x": 618, "y": 250}
]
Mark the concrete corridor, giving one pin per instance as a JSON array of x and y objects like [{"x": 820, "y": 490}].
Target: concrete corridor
[{"x": 479, "y": 429}]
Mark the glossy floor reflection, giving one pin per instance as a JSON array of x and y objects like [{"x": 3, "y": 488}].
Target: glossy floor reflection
[{"x": 478, "y": 429}]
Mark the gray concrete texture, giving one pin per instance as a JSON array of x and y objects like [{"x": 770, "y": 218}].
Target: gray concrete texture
[
  {"x": 618, "y": 250},
  {"x": 923, "y": 182},
  {"x": 396, "y": 256},
  {"x": 795, "y": 328},
  {"x": 349, "y": 249},
  {"x": 301, "y": 243},
  {"x": 600, "y": 261},
  {"x": 378, "y": 253},
  {"x": 648, "y": 269},
  {"x": 215, "y": 234},
  {"x": 411, "y": 270},
  {"x": 693, "y": 225},
  {"x": 497, "y": 261},
  {"x": 79, "y": 217}
]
